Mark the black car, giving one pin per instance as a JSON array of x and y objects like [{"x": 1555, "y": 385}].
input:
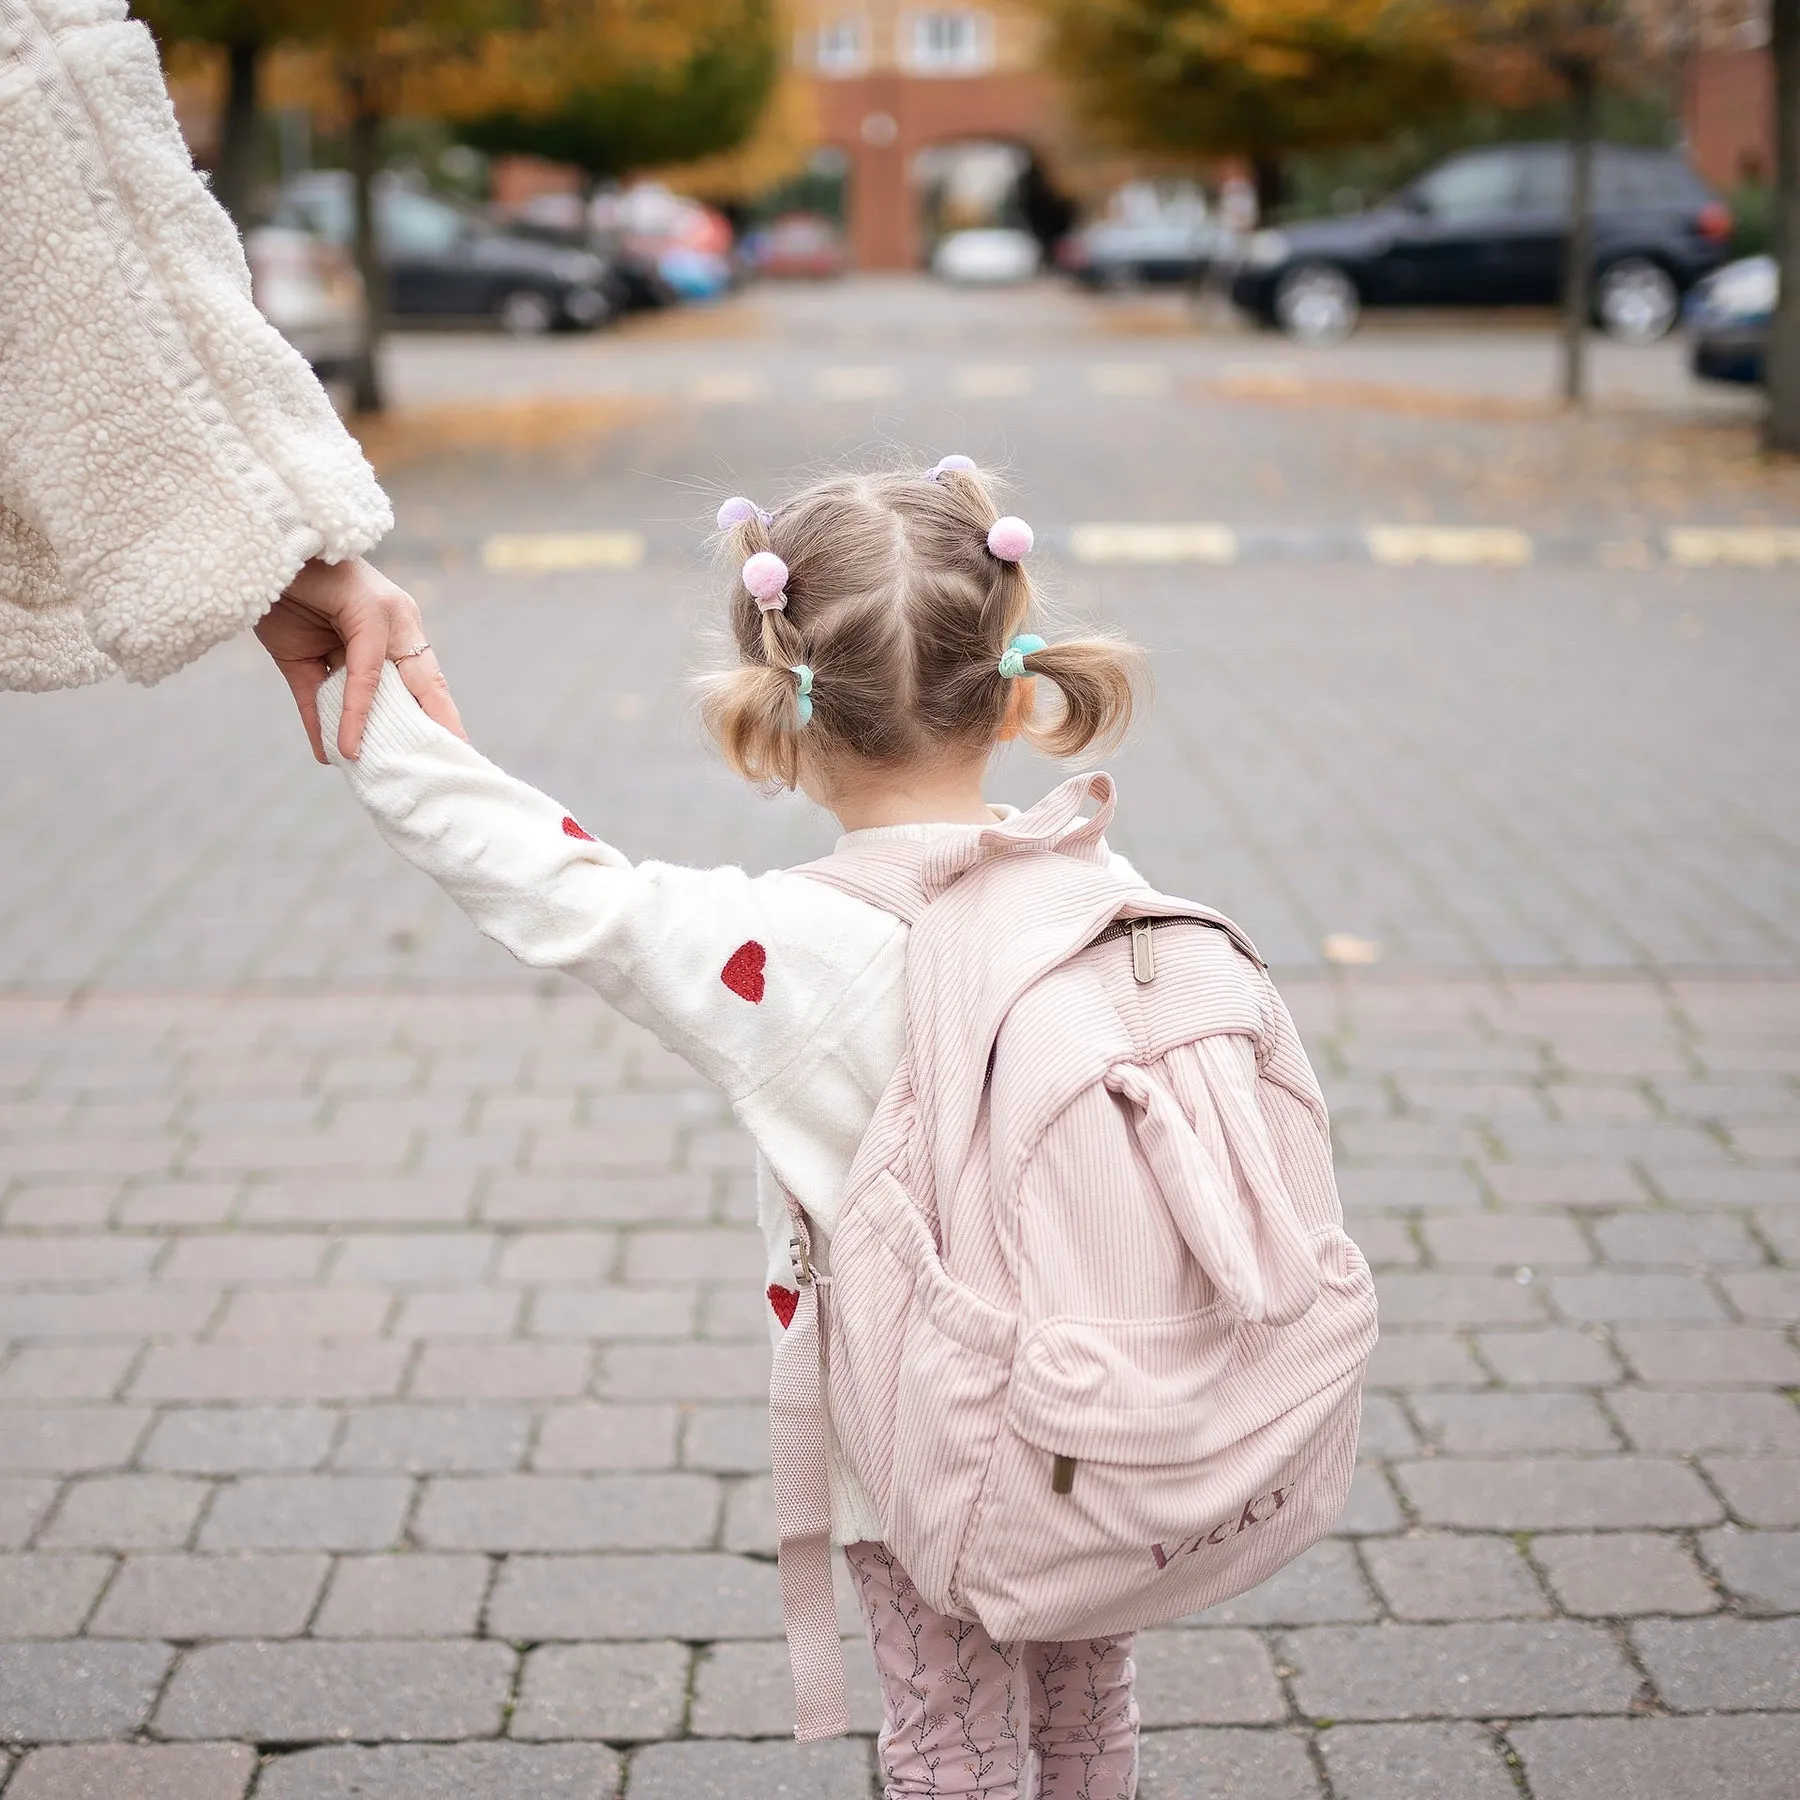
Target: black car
[
  {"x": 1489, "y": 227},
  {"x": 447, "y": 264}
]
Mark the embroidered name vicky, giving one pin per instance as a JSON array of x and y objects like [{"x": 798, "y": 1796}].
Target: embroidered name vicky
[{"x": 1166, "y": 1554}]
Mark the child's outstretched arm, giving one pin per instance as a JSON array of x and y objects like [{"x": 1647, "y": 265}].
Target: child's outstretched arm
[{"x": 733, "y": 973}]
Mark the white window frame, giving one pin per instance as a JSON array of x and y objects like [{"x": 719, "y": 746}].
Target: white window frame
[
  {"x": 840, "y": 46},
  {"x": 974, "y": 57}
]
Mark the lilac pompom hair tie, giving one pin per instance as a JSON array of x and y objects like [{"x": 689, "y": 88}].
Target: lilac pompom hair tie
[
  {"x": 1009, "y": 539},
  {"x": 739, "y": 511},
  {"x": 947, "y": 465},
  {"x": 765, "y": 576}
]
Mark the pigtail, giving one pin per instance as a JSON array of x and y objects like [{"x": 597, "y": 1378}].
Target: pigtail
[{"x": 1098, "y": 681}]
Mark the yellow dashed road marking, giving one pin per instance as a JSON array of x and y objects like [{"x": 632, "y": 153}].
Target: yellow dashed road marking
[
  {"x": 991, "y": 381},
  {"x": 542, "y": 552},
  {"x": 1453, "y": 544},
  {"x": 858, "y": 384},
  {"x": 1756, "y": 546},
  {"x": 727, "y": 387},
  {"x": 1120, "y": 379},
  {"x": 1204, "y": 543}
]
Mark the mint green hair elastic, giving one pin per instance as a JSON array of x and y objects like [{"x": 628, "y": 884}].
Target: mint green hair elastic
[
  {"x": 1012, "y": 661},
  {"x": 804, "y": 705}
]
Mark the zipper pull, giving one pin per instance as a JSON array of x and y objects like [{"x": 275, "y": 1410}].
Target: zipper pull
[
  {"x": 1143, "y": 952},
  {"x": 1062, "y": 1475}
]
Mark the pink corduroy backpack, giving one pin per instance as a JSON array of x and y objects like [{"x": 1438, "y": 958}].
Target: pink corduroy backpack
[{"x": 1093, "y": 1335}]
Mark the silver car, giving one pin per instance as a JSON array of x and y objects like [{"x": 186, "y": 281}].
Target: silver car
[{"x": 310, "y": 292}]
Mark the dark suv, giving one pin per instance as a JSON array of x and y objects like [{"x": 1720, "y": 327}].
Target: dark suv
[{"x": 1489, "y": 227}]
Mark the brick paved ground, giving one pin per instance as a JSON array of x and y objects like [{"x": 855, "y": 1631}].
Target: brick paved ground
[{"x": 380, "y": 1357}]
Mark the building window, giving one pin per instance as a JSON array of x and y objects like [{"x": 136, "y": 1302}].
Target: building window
[
  {"x": 950, "y": 43},
  {"x": 841, "y": 48}
]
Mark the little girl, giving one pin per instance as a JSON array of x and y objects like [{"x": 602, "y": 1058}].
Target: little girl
[{"x": 882, "y": 631}]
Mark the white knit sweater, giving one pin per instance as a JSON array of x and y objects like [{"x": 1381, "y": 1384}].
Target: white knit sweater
[
  {"x": 785, "y": 993},
  {"x": 167, "y": 461}
]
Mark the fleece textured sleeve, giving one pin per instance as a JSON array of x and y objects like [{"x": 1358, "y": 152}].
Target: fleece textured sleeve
[
  {"x": 167, "y": 460},
  {"x": 743, "y": 976}
]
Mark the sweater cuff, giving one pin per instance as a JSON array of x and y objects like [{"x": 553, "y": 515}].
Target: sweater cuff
[{"x": 396, "y": 725}]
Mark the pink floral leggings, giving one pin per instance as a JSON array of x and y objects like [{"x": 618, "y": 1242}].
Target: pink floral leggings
[{"x": 965, "y": 1712}]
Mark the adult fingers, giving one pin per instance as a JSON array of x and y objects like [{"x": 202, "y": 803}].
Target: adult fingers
[
  {"x": 365, "y": 650},
  {"x": 304, "y": 680},
  {"x": 425, "y": 682}
]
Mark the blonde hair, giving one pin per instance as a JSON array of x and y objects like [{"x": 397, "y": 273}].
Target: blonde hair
[{"x": 901, "y": 613}]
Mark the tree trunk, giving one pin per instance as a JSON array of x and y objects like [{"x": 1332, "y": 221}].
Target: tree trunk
[
  {"x": 365, "y": 164},
  {"x": 1578, "y": 263},
  {"x": 1270, "y": 177},
  {"x": 235, "y": 178},
  {"x": 1781, "y": 429}
]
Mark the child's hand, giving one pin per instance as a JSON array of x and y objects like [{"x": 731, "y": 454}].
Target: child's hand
[{"x": 335, "y": 614}]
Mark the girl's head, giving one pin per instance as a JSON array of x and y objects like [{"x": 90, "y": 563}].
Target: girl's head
[{"x": 887, "y": 644}]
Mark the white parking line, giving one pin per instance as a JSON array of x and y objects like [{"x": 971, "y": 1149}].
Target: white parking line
[
  {"x": 727, "y": 387},
  {"x": 991, "y": 381},
  {"x": 1757, "y": 546},
  {"x": 543, "y": 552},
  {"x": 1205, "y": 543},
  {"x": 1458, "y": 545},
  {"x": 1120, "y": 380},
  {"x": 858, "y": 383}
]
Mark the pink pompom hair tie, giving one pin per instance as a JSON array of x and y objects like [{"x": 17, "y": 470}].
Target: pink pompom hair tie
[
  {"x": 765, "y": 576},
  {"x": 964, "y": 465},
  {"x": 739, "y": 511},
  {"x": 1010, "y": 539}
]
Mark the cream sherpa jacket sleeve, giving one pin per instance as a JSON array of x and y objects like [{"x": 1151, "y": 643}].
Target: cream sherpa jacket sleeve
[{"x": 167, "y": 461}]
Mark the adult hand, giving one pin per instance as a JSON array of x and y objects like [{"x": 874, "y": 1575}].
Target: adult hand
[{"x": 350, "y": 613}]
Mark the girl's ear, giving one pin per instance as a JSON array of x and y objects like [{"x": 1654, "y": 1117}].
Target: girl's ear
[{"x": 1020, "y": 702}]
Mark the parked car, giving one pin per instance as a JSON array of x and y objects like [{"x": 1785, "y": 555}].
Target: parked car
[
  {"x": 633, "y": 282},
  {"x": 310, "y": 292},
  {"x": 1489, "y": 227},
  {"x": 990, "y": 257},
  {"x": 1115, "y": 253},
  {"x": 1728, "y": 314},
  {"x": 446, "y": 263},
  {"x": 798, "y": 247}
]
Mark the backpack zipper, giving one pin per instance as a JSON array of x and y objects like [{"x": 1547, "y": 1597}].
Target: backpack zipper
[{"x": 1062, "y": 1475}]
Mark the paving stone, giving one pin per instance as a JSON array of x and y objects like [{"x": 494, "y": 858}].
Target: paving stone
[
  {"x": 1469, "y": 1424},
  {"x": 1385, "y": 1431},
  {"x": 1321, "y": 1586},
  {"x": 409, "y": 1259},
  {"x": 69, "y": 1440},
  {"x": 1602, "y": 1184},
  {"x": 186, "y": 1598},
  {"x": 500, "y": 1372},
  {"x": 36, "y": 1261},
  {"x": 729, "y": 1440},
  {"x": 1768, "y": 1294},
  {"x": 308, "y": 1512},
  {"x": 245, "y": 1256},
  {"x": 683, "y": 1372},
  {"x": 1628, "y": 1299},
  {"x": 1760, "y": 1490},
  {"x": 717, "y": 1253},
  {"x": 1762, "y": 1568},
  {"x": 1415, "y": 1762},
  {"x": 1557, "y": 1493},
  {"x": 594, "y": 1437},
  {"x": 1730, "y": 1356},
  {"x": 1704, "y": 1189},
  {"x": 1616, "y": 1574},
  {"x": 568, "y": 1512},
  {"x": 1423, "y": 1359},
  {"x": 1386, "y": 1243},
  {"x": 48, "y": 1596},
  {"x": 1225, "y": 1764},
  {"x": 440, "y": 1198},
  {"x": 608, "y": 1314},
  {"x": 1445, "y": 1578},
  {"x": 1782, "y": 1231},
  {"x": 216, "y": 1440},
  {"x": 300, "y": 1692},
  {"x": 201, "y": 1372},
  {"x": 1700, "y": 1665},
  {"x": 696, "y": 1598},
  {"x": 76, "y": 1692},
  {"x": 1551, "y": 1357},
  {"x": 66, "y": 1371},
  {"x": 1431, "y": 1189},
  {"x": 722, "y": 1770},
  {"x": 628, "y": 1693},
  {"x": 1745, "y": 1758},
  {"x": 750, "y": 1521},
  {"x": 1687, "y": 1422},
  {"x": 1424, "y": 1297},
  {"x": 551, "y": 1258},
  {"x": 126, "y": 1512},
  {"x": 23, "y": 1504},
  {"x": 1495, "y": 1240},
  {"x": 460, "y": 1313},
  {"x": 600, "y": 1198},
  {"x": 104, "y": 1314},
  {"x": 176, "y": 1203},
  {"x": 303, "y": 1314},
  {"x": 1494, "y": 1669},
  {"x": 403, "y": 1596},
  {"x": 1370, "y": 1507},
  {"x": 435, "y": 1440},
  {"x": 1206, "y": 1678},
  {"x": 746, "y": 1690},
  {"x": 445, "y": 1772},
  {"x": 1677, "y": 1240},
  {"x": 136, "y": 1772}
]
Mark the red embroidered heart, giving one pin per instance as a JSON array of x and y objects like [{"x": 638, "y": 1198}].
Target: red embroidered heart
[
  {"x": 784, "y": 1301},
  {"x": 744, "y": 973},
  {"x": 571, "y": 829}
]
